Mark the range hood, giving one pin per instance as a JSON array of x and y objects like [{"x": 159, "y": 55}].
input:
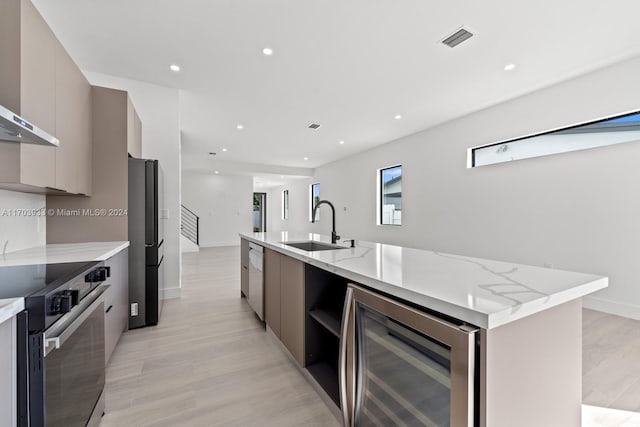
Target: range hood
[{"x": 14, "y": 128}]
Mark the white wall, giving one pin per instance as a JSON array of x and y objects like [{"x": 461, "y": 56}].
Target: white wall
[
  {"x": 298, "y": 220},
  {"x": 223, "y": 203},
  {"x": 577, "y": 211},
  {"x": 158, "y": 108},
  {"x": 18, "y": 230}
]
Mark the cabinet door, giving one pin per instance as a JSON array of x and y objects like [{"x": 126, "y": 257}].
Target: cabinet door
[
  {"x": 244, "y": 267},
  {"x": 292, "y": 306},
  {"x": 66, "y": 122},
  {"x": 84, "y": 171},
  {"x": 8, "y": 381},
  {"x": 38, "y": 69},
  {"x": 73, "y": 126},
  {"x": 117, "y": 301},
  {"x": 134, "y": 131},
  {"x": 38, "y": 94},
  {"x": 272, "y": 279}
]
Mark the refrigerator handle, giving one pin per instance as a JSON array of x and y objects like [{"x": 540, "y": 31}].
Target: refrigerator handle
[{"x": 344, "y": 333}]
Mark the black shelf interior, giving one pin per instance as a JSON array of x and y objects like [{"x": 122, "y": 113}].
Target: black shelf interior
[
  {"x": 331, "y": 320},
  {"x": 324, "y": 300},
  {"x": 326, "y": 375}
]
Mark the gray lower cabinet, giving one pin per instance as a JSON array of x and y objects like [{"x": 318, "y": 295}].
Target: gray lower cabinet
[
  {"x": 292, "y": 307},
  {"x": 272, "y": 293},
  {"x": 117, "y": 301},
  {"x": 8, "y": 383},
  {"x": 244, "y": 267},
  {"x": 284, "y": 301}
]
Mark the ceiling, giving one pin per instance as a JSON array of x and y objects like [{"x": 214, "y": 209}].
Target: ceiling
[{"x": 350, "y": 66}]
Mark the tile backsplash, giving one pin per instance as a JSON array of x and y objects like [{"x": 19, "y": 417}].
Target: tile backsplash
[{"x": 22, "y": 221}]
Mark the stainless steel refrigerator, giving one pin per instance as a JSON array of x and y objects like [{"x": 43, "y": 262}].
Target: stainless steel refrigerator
[{"x": 147, "y": 242}]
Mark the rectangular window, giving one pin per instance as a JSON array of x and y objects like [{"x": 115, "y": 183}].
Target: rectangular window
[
  {"x": 314, "y": 192},
  {"x": 285, "y": 204},
  {"x": 390, "y": 200},
  {"x": 609, "y": 131}
]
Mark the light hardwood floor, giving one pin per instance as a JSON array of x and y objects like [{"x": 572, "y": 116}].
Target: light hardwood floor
[
  {"x": 210, "y": 363},
  {"x": 611, "y": 361}
]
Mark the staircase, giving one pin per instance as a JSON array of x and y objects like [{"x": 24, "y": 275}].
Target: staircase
[{"x": 190, "y": 225}]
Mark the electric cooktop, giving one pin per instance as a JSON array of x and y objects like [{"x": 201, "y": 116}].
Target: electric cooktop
[{"x": 27, "y": 280}]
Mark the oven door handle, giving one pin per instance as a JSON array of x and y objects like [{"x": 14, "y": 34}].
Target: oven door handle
[{"x": 85, "y": 308}]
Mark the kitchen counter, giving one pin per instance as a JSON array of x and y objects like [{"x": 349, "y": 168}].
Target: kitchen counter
[
  {"x": 9, "y": 307},
  {"x": 481, "y": 292},
  {"x": 64, "y": 252}
]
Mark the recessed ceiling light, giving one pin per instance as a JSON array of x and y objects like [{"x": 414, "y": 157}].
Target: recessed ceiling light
[
  {"x": 239, "y": 127},
  {"x": 509, "y": 67},
  {"x": 224, "y": 149},
  {"x": 216, "y": 172},
  {"x": 306, "y": 158},
  {"x": 397, "y": 117},
  {"x": 174, "y": 67},
  {"x": 340, "y": 142},
  {"x": 267, "y": 51},
  {"x": 281, "y": 176}
]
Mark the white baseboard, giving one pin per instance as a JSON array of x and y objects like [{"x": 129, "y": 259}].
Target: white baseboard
[
  {"x": 220, "y": 244},
  {"x": 171, "y": 293},
  {"x": 612, "y": 307},
  {"x": 187, "y": 245},
  {"x": 193, "y": 248}
]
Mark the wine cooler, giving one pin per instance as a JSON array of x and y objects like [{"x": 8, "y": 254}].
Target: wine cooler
[{"x": 404, "y": 367}]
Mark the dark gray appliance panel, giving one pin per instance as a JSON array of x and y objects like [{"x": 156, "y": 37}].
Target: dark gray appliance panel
[{"x": 137, "y": 237}]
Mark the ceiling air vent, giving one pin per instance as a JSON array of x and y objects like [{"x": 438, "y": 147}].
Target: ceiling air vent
[
  {"x": 458, "y": 37},
  {"x": 313, "y": 126}
]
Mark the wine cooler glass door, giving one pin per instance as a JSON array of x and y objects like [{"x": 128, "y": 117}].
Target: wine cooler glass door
[{"x": 409, "y": 368}]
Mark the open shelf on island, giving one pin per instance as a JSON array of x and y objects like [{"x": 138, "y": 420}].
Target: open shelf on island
[
  {"x": 330, "y": 319},
  {"x": 324, "y": 299},
  {"x": 326, "y": 375}
]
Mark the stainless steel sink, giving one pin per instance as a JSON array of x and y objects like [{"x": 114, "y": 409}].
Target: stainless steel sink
[{"x": 312, "y": 246}]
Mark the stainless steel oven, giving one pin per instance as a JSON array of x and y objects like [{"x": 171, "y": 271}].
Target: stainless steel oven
[
  {"x": 61, "y": 343},
  {"x": 403, "y": 366},
  {"x": 75, "y": 366}
]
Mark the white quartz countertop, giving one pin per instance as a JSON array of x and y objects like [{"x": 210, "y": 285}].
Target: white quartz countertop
[
  {"x": 482, "y": 292},
  {"x": 63, "y": 252},
  {"x": 9, "y": 307}
]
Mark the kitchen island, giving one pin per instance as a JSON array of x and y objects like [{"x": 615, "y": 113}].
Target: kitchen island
[{"x": 528, "y": 318}]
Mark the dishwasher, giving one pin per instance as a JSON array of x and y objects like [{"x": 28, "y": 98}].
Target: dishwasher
[{"x": 256, "y": 280}]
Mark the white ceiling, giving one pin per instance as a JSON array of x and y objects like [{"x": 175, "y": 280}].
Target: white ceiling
[{"x": 350, "y": 66}]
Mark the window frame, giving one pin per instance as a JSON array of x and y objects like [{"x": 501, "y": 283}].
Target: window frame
[
  {"x": 590, "y": 126},
  {"x": 311, "y": 204},
  {"x": 380, "y": 196},
  {"x": 285, "y": 205}
]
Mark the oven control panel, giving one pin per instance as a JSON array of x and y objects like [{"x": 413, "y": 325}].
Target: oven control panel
[{"x": 64, "y": 301}]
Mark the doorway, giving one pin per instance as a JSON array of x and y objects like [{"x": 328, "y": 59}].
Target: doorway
[{"x": 259, "y": 212}]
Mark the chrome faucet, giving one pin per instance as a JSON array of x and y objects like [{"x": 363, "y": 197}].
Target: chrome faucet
[{"x": 334, "y": 235}]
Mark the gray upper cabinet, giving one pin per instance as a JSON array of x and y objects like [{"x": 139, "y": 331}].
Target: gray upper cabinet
[
  {"x": 73, "y": 126},
  {"x": 42, "y": 84},
  {"x": 109, "y": 176},
  {"x": 38, "y": 69},
  {"x": 134, "y": 131}
]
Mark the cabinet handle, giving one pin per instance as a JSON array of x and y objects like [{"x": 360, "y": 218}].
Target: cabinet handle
[
  {"x": 346, "y": 313},
  {"x": 109, "y": 309}
]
